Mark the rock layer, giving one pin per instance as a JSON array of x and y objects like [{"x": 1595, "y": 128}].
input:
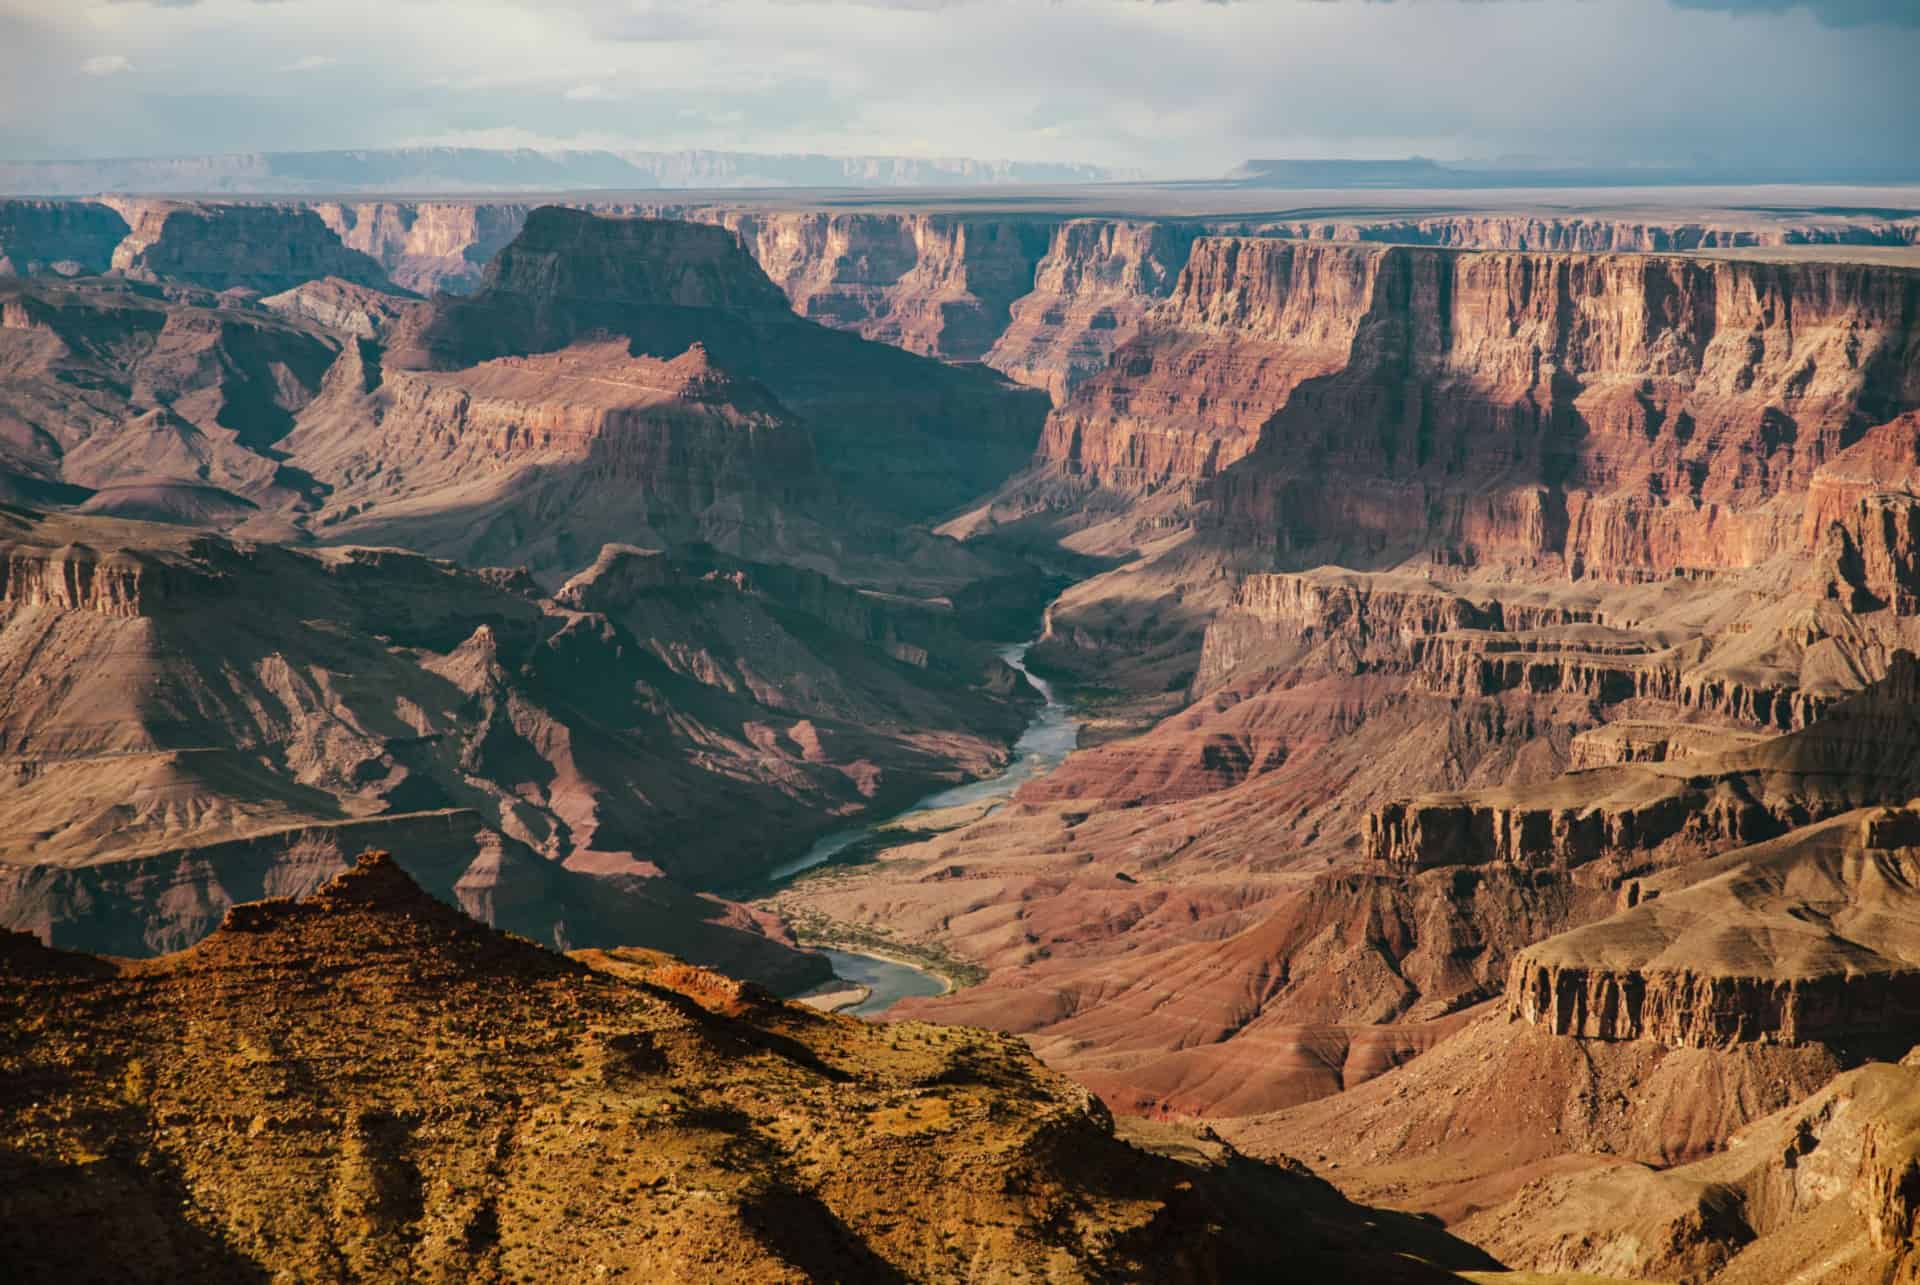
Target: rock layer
[
  {"x": 366, "y": 1084},
  {"x": 897, "y": 433},
  {"x": 267, "y": 248},
  {"x": 186, "y": 715}
]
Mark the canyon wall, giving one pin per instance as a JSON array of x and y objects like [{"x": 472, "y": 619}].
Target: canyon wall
[
  {"x": 899, "y": 433},
  {"x": 266, "y": 248},
  {"x": 1599, "y": 234},
  {"x": 426, "y": 246},
  {"x": 1043, "y": 297},
  {"x": 1610, "y": 416},
  {"x": 63, "y": 238}
]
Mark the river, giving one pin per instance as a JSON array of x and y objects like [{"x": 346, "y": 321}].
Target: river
[{"x": 1048, "y": 739}]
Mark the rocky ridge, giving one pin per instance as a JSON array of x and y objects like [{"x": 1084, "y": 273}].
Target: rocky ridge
[
  {"x": 188, "y": 717},
  {"x": 511, "y": 1112}
]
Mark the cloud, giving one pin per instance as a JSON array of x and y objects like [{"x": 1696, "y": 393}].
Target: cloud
[
  {"x": 106, "y": 65},
  {"x": 1830, "y": 13},
  {"x": 1177, "y": 88}
]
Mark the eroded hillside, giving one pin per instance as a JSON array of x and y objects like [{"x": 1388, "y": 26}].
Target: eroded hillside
[{"x": 391, "y": 1090}]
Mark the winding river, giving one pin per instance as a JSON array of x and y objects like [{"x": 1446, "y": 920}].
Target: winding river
[{"x": 1048, "y": 739}]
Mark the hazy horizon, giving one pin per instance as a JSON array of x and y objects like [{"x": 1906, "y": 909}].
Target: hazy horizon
[{"x": 1176, "y": 89}]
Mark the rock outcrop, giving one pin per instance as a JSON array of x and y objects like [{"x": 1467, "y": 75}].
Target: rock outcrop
[
  {"x": 266, "y": 248},
  {"x": 1857, "y": 754},
  {"x": 341, "y": 306},
  {"x": 1572, "y": 411},
  {"x": 897, "y": 433},
  {"x": 367, "y": 1084},
  {"x": 465, "y": 464},
  {"x": 61, "y": 238},
  {"x": 1089, "y": 293},
  {"x": 1825, "y": 1184},
  {"x": 186, "y": 715},
  {"x": 1605, "y": 234},
  {"x": 935, "y": 284},
  {"x": 429, "y": 247},
  {"x": 1806, "y": 939},
  {"x": 115, "y": 396}
]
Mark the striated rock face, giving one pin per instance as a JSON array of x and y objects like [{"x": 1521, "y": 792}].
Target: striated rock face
[
  {"x": 366, "y": 1083},
  {"x": 1863, "y": 520},
  {"x": 342, "y": 306},
  {"x": 1042, "y": 299},
  {"x": 119, "y": 582},
  {"x": 897, "y": 433},
  {"x": 1572, "y": 411},
  {"x": 1808, "y": 938},
  {"x": 427, "y": 246},
  {"x": 1855, "y": 755},
  {"x": 573, "y": 263},
  {"x": 934, "y": 284},
  {"x": 1386, "y": 622},
  {"x": 1247, "y": 323},
  {"x": 1821, "y": 1190},
  {"x": 64, "y": 238},
  {"x": 1704, "y": 1011},
  {"x": 666, "y": 452},
  {"x": 1089, "y": 293},
  {"x": 1599, "y": 234},
  {"x": 267, "y": 248}
]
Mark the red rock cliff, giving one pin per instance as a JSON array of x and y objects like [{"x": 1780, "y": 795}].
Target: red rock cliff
[{"x": 1605, "y": 415}]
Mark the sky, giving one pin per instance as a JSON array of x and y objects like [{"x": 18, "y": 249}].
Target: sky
[{"x": 1172, "y": 88}]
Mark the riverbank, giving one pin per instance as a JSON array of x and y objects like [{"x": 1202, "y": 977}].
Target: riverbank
[
  {"x": 871, "y": 984},
  {"x": 818, "y": 932}
]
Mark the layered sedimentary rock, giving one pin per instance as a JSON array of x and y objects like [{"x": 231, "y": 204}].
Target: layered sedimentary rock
[
  {"x": 1466, "y": 1125},
  {"x": 427, "y": 246},
  {"x": 1857, "y": 754},
  {"x": 934, "y": 284},
  {"x": 128, "y": 401},
  {"x": 267, "y": 248},
  {"x": 1605, "y": 416},
  {"x": 186, "y": 716},
  {"x": 1603, "y": 234},
  {"x": 1825, "y": 1184},
  {"x": 1248, "y": 321},
  {"x": 895, "y": 432},
  {"x": 538, "y": 461},
  {"x": 506, "y": 1111},
  {"x": 1805, "y": 939},
  {"x": 62, "y": 238},
  {"x": 1863, "y": 520},
  {"x": 340, "y": 306},
  {"x": 1089, "y": 293}
]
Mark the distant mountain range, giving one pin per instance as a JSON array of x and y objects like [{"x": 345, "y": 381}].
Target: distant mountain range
[
  {"x": 475, "y": 169},
  {"x": 1420, "y": 172}
]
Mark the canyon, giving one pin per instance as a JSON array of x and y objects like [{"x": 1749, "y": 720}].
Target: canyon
[{"x": 1492, "y": 631}]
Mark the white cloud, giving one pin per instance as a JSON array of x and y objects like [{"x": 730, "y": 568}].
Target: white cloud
[
  {"x": 592, "y": 92},
  {"x": 106, "y": 65},
  {"x": 312, "y": 62}
]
